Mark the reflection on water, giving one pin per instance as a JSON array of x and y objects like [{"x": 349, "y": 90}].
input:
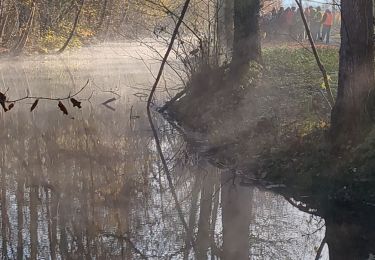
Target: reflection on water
[{"x": 93, "y": 187}]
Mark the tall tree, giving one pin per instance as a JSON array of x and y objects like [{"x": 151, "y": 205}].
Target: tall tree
[
  {"x": 246, "y": 38},
  {"x": 350, "y": 115},
  {"x": 225, "y": 24}
]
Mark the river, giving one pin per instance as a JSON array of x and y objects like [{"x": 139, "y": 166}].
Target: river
[{"x": 90, "y": 185}]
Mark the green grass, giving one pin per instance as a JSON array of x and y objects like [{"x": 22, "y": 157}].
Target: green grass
[{"x": 298, "y": 67}]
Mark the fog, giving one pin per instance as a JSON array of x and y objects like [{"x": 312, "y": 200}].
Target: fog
[{"x": 90, "y": 184}]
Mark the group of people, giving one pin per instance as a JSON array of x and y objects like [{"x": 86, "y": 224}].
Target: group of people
[
  {"x": 288, "y": 23},
  {"x": 320, "y": 23}
]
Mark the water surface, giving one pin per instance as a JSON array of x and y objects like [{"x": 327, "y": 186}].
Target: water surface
[{"x": 90, "y": 185}]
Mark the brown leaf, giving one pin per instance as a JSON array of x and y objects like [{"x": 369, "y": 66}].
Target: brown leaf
[
  {"x": 3, "y": 98},
  {"x": 34, "y": 105},
  {"x": 75, "y": 103},
  {"x": 11, "y": 105},
  {"x": 63, "y": 108}
]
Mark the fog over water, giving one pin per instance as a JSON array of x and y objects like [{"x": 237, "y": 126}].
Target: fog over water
[{"x": 90, "y": 185}]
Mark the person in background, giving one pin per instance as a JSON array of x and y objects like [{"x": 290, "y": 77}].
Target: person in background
[
  {"x": 273, "y": 25},
  {"x": 265, "y": 23},
  {"x": 307, "y": 14},
  {"x": 298, "y": 27},
  {"x": 327, "y": 22},
  {"x": 289, "y": 17},
  {"x": 279, "y": 22},
  {"x": 312, "y": 13},
  {"x": 273, "y": 12},
  {"x": 337, "y": 20},
  {"x": 316, "y": 20}
]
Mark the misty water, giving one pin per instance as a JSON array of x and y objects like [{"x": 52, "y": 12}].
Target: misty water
[{"x": 90, "y": 185}]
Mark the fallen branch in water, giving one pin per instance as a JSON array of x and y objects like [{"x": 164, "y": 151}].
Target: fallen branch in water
[
  {"x": 4, "y": 100},
  {"x": 172, "y": 100},
  {"x": 154, "y": 131},
  {"x": 50, "y": 98}
]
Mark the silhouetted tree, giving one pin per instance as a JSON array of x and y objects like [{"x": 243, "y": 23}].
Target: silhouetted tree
[
  {"x": 350, "y": 116},
  {"x": 246, "y": 42}
]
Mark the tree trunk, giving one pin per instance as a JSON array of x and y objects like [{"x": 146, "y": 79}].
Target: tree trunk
[
  {"x": 246, "y": 42},
  {"x": 103, "y": 15},
  {"x": 225, "y": 27},
  {"x": 350, "y": 117},
  {"x": 62, "y": 49},
  {"x": 2, "y": 28},
  {"x": 350, "y": 235},
  {"x": 25, "y": 34}
]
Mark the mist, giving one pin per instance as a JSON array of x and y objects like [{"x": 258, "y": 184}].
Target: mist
[{"x": 186, "y": 130}]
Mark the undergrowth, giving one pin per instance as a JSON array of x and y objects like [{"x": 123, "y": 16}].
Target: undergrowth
[{"x": 297, "y": 66}]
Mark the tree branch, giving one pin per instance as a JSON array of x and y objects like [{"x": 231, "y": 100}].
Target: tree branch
[
  {"x": 62, "y": 49},
  {"x": 316, "y": 55},
  {"x": 154, "y": 131},
  {"x": 50, "y": 98}
]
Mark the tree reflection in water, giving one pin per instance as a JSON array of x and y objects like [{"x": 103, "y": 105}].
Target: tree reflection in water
[{"x": 93, "y": 188}]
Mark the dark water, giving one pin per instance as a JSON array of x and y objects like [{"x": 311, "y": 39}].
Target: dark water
[{"x": 93, "y": 187}]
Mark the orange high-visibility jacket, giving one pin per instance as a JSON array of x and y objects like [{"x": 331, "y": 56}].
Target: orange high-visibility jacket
[{"x": 329, "y": 19}]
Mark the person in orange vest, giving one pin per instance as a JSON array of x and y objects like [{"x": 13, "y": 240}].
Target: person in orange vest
[{"x": 327, "y": 22}]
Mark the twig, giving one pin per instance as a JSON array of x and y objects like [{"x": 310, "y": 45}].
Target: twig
[
  {"x": 49, "y": 98},
  {"x": 168, "y": 11},
  {"x": 150, "y": 97}
]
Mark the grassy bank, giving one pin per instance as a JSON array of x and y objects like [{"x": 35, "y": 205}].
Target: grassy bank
[
  {"x": 288, "y": 101},
  {"x": 278, "y": 134}
]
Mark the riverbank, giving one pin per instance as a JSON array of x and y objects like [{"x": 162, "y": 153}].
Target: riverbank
[
  {"x": 275, "y": 137},
  {"x": 277, "y": 134},
  {"x": 287, "y": 103}
]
